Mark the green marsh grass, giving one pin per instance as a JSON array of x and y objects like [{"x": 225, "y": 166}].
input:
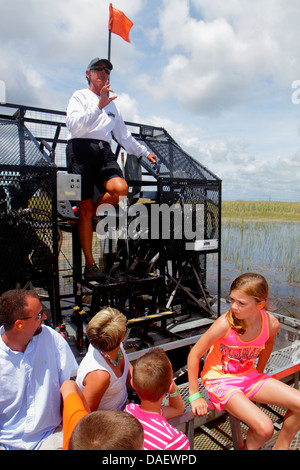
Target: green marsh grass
[
  {"x": 271, "y": 248},
  {"x": 262, "y": 236},
  {"x": 261, "y": 210}
]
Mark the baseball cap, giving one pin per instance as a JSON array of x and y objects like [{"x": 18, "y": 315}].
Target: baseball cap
[{"x": 95, "y": 61}]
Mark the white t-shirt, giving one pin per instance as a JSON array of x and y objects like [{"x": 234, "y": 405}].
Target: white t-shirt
[
  {"x": 86, "y": 121},
  {"x": 115, "y": 396}
]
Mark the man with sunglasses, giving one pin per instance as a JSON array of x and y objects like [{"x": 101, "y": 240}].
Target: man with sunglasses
[
  {"x": 34, "y": 362},
  {"x": 93, "y": 120}
]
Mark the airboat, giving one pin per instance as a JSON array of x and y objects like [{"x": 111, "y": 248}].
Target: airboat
[{"x": 156, "y": 248}]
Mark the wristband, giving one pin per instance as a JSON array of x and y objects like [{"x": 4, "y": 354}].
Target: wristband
[
  {"x": 174, "y": 394},
  {"x": 194, "y": 397}
]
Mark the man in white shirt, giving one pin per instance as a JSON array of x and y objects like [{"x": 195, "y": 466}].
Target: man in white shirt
[
  {"x": 92, "y": 118},
  {"x": 34, "y": 362}
]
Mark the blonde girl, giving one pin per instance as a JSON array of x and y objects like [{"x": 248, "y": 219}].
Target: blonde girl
[
  {"x": 231, "y": 375},
  {"x": 104, "y": 372}
]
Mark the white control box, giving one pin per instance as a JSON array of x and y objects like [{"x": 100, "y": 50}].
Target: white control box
[
  {"x": 202, "y": 245},
  {"x": 68, "y": 187}
]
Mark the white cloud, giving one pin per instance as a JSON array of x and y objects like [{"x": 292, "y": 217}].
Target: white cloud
[
  {"x": 217, "y": 75},
  {"x": 128, "y": 107},
  {"x": 43, "y": 42},
  {"x": 229, "y": 56}
]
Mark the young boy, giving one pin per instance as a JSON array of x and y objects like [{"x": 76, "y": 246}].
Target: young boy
[{"x": 152, "y": 378}]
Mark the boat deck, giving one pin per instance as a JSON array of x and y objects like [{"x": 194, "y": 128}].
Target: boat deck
[
  {"x": 216, "y": 435},
  {"x": 216, "y": 431}
]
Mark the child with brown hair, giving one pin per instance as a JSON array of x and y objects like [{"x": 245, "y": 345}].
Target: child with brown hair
[
  {"x": 234, "y": 341},
  {"x": 105, "y": 370},
  {"x": 152, "y": 378}
]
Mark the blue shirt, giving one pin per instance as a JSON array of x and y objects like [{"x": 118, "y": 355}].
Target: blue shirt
[{"x": 30, "y": 384}]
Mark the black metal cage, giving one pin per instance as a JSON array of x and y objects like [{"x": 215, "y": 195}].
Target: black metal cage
[
  {"x": 174, "y": 207},
  {"x": 29, "y": 234}
]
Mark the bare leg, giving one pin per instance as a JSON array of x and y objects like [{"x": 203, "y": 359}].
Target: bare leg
[
  {"x": 289, "y": 429},
  {"x": 116, "y": 188},
  {"x": 260, "y": 426},
  {"x": 85, "y": 230},
  {"x": 274, "y": 392}
]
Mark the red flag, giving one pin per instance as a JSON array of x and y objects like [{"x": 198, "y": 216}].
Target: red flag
[{"x": 119, "y": 23}]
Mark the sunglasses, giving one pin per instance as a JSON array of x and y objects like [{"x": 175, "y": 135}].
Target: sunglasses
[
  {"x": 39, "y": 316},
  {"x": 102, "y": 67}
]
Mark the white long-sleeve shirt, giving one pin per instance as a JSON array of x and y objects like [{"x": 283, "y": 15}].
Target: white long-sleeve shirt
[{"x": 86, "y": 121}]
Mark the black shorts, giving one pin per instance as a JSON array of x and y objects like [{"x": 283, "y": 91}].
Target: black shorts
[{"x": 94, "y": 161}]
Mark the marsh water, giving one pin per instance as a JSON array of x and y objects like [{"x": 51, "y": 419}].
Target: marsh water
[{"x": 270, "y": 248}]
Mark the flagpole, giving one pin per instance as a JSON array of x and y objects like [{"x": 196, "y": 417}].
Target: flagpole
[
  {"x": 109, "y": 31},
  {"x": 109, "y": 44}
]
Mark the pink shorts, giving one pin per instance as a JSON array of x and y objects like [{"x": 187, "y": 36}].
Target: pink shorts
[{"x": 220, "y": 390}]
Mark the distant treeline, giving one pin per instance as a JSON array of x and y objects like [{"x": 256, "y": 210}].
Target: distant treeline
[{"x": 258, "y": 210}]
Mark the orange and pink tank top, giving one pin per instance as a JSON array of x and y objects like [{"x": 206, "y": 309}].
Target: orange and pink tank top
[{"x": 231, "y": 356}]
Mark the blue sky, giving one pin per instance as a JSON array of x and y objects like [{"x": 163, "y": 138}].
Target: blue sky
[{"x": 217, "y": 75}]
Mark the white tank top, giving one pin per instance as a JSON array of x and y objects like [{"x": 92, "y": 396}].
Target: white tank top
[{"x": 116, "y": 395}]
